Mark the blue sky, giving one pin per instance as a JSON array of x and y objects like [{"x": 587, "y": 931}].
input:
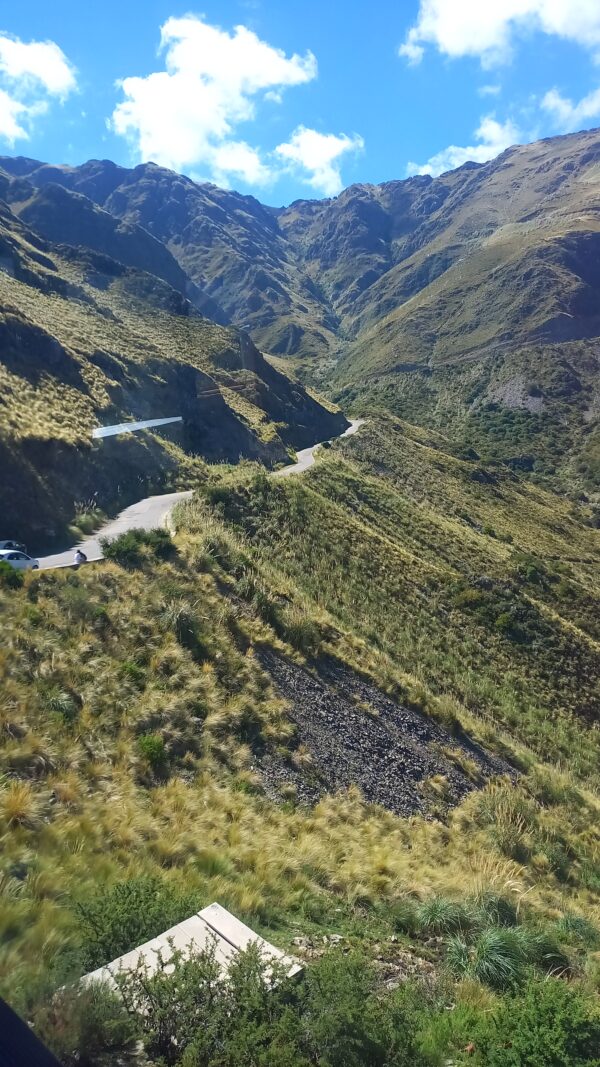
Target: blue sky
[{"x": 289, "y": 99}]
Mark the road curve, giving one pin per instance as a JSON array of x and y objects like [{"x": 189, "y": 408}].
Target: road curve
[
  {"x": 146, "y": 515},
  {"x": 306, "y": 456},
  {"x": 153, "y": 511}
]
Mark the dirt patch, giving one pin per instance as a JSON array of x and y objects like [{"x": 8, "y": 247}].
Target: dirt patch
[{"x": 350, "y": 733}]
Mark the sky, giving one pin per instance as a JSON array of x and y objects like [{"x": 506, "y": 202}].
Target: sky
[{"x": 285, "y": 99}]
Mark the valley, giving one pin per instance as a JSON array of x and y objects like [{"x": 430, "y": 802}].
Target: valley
[{"x": 352, "y": 692}]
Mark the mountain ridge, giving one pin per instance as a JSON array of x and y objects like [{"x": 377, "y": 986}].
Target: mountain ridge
[{"x": 468, "y": 302}]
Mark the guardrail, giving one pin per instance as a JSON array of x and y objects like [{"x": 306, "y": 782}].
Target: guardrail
[{"x": 131, "y": 427}]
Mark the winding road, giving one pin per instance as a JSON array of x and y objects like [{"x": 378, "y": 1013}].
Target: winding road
[
  {"x": 151, "y": 512},
  {"x": 306, "y": 456}
]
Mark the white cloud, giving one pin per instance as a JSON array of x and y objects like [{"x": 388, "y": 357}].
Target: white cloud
[
  {"x": 569, "y": 116},
  {"x": 236, "y": 159},
  {"x": 30, "y": 75},
  {"x": 186, "y": 115},
  {"x": 41, "y": 62},
  {"x": 317, "y": 157},
  {"x": 489, "y": 90},
  {"x": 492, "y": 138},
  {"x": 487, "y": 29},
  {"x": 12, "y": 114}
]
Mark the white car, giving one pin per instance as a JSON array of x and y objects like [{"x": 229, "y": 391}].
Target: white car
[
  {"x": 19, "y": 560},
  {"x": 14, "y": 546}
]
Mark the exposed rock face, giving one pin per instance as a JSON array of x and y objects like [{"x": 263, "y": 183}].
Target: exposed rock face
[{"x": 355, "y": 735}]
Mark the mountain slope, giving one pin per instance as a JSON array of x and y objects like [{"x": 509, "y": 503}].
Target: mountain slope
[
  {"x": 228, "y": 244},
  {"x": 468, "y": 302},
  {"x": 341, "y": 705},
  {"x": 65, "y": 217},
  {"x": 89, "y": 341}
]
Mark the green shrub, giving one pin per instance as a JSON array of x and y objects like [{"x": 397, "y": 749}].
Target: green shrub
[
  {"x": 133, "y": 672},
  {"x": 127, "y": 914},
  {"x": 190, "y": 1015},
  {"x": 469, "y": 598},
  {"x": 500, "y": 956},
  {"x": 136, "y": 547},
  {"x": 496, "y": 957},
  {"x": 9, "y": 577},
  {"x": 346, "y": 1024},
  {"x": 577, "y": 930},
  {"x": 440, "y": 916},
  {"x": 87, "y": 1027},
  {"x": 492, "y": 909},
  {"x": 152, "y": 749},
  {"x": 506, "y": 625},
  {"x": 404, "y": 915},
  {"x": 62, "y": 703},
  {"x": 549, "y": 1024}
]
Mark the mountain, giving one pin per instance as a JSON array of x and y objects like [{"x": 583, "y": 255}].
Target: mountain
[
  {"x": 66, "y": 217},
  {"x": 229, "y": 245},
  {"x": 358, "y": 706},
  {"x": 470, "y": 301},
  {"x": 89, "y": 338}
]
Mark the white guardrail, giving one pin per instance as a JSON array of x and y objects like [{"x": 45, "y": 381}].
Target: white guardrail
[{"x": 131, "y": 427}]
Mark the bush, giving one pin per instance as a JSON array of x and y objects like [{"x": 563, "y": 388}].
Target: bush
[
  {"x": 550, "y": 1024},
  {"x": 136, "y": 547},
  {"x": 404, "y": 914},
  {"x": 62, "y": 703},
  {"x": 87, "y": 1027},
  {"x": 126, "y": 915},
  {"x": 499, "y": 956},
  {"x": 492, "y": 909},
  {"x": 347, "y": 1025},
  {"x": 506, "y": 625},
  {"x": 190, "y": 1015},
  {"x": 152, "y": 749},
  {"x": 577, "y": 930},
  {"x": 9, "y": 577},
  {"x": 496, "y": 958},
  {"x": 133, "y": 672},
  {"x": 299, "y": 630},
  {"x": 440, "y": 916}
]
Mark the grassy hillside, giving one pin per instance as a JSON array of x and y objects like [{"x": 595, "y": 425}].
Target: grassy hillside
[
  {"x": 167, "y": 713},
  {"x": 480, "y": 587},
  {"x": 533, "y": 409}
]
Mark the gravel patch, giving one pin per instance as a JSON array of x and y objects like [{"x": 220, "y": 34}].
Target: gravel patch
[{"x": 350, "y": 733}]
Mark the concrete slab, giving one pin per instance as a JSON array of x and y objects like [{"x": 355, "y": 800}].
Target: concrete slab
[{"x": 213, "y": 924}]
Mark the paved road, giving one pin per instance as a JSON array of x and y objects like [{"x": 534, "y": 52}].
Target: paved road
[
  {"x": 306, "y": 456},
  {"x": 146, "y": 515},
  {"x": 153, "y": 511}
]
